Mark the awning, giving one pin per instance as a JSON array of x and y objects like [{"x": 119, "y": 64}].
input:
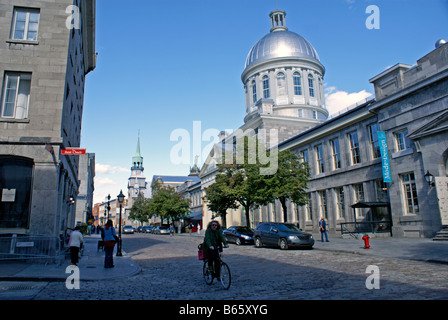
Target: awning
[
  {"x": 363, "y": 204},
  {"x": 197, "y": 215}
]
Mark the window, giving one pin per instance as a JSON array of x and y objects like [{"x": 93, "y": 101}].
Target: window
[
  {"x": 358, "y": 190},
  {"x": 319, "y": 159},
  {"x": 381, "y": 191},
  {"x": 402, "y": 140},
  {"x": 323, "y": 204},
  {"x": 281, "y": 81},
  {"x": 25, "y": 24},
  {"x": 315, "y": 115},
  {"x": 410, "y": 193},
  {"x": 373, "y": 129},
  {"x": 15, "y": 95},
  {"x": 300, "y": 113},
  {"x": 266, "y": 92},
  {"x": 340, "y": 205},
  {"x": 254, "y": 91},
  {"x": 311, "y": 85},
  {"x": 297, "y": 84},
  {"x": 354, "y": 147},
  {"x": 336, "y": 153}
]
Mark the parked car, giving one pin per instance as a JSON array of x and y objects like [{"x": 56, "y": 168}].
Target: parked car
[
  {"x": 139, "y": 229},
  {"x": 284, "y": 235},
  {"x": 239, "y": 235},
  {"x": 147, "y": 229},
  {"x": 162, "y": 230},
  {"x": 128, "y": 229}
]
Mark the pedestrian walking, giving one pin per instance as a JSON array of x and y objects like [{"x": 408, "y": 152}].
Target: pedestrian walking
[
  {"x": 323, "y": 229},
  {"x": 75, "y": 243},
  {"x": 109, "y": 238},
  {"x": 171, "y": 229}
]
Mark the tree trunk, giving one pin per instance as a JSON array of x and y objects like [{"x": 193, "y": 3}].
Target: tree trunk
[
  {"x": 224, "y": 219},
  {"x": 247, "y": 208},
  {"x": 285, "y": 208}
]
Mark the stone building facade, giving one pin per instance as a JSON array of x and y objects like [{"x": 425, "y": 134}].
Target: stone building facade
[
  {"x": 347, "y": 156},
  {"x": 45, "y": 56}
]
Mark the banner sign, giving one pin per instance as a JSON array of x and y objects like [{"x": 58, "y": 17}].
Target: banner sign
[
  {"x": 384, "y": 156},
  {"x": 73, "y": 151}
]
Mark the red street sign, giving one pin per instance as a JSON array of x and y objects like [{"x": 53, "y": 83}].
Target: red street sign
[{"x": 73, "y": 151}]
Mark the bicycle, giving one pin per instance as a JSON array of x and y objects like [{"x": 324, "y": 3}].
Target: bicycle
[{"x": 224, "y": 271}]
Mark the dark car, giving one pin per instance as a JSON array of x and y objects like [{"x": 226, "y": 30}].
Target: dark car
[
  {"x": 284, "y": 235},
  {"x": 239, "y": 235},
  {"x": 147, "y": 229}
]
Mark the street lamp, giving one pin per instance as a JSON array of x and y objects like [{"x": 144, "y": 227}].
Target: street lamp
[
  {"x": 120, "y": 201},
  {"x": 108, "y": 207},
  {"x": 429, "y": 178}
]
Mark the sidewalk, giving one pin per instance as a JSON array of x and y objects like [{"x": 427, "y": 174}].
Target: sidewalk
[
  {"x": 421, "y": 249},
  {"x": 91, "y": 266}
]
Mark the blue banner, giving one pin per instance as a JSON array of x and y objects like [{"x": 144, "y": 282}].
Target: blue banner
[{"x": 384, "y": 156}]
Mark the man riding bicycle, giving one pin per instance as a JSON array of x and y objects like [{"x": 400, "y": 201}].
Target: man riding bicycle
[{"x": 213, "y": 240}]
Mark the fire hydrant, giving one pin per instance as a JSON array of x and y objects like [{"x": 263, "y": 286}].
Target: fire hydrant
[{"x": 366, "y": 241}]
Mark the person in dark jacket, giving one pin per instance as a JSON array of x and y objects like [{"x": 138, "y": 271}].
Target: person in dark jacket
[{"x": 213, "y": 241}]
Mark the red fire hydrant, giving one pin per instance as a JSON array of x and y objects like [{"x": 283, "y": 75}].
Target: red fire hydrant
[{"x": 366, "y": 241}]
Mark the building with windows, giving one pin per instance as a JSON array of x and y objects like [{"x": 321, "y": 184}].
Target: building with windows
[
  {"x": 45, "y": 57},
  {"x": 84, "y": 200},
  {"x": 381, "y": 166}
]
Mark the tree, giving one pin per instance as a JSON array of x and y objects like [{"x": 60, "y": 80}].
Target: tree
[
  {"x": 219, "y": 199},
  {"x": 140, "y": 210},
  {"x": 243, "y": 181},
  {"x": 290, "y": 181},
  {"x": 167, "y": 203}
]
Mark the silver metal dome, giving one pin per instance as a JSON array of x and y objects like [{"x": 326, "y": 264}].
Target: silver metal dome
[{"x": 281, "y": 44}]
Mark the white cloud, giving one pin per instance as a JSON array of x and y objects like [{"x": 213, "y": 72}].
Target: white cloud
[
  {"x": 100, "y": 181},
  {"x": 108, "y": 169},
  {"x": 337, "y": 101}
]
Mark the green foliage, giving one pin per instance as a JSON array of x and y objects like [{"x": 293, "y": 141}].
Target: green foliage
[{"x": 167, "y": 203}]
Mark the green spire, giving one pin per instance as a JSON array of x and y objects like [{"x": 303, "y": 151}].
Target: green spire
[{"x": 137, "y": 160}]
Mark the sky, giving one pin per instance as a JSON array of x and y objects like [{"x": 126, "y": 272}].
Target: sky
[{"x": 172, "y": 66}]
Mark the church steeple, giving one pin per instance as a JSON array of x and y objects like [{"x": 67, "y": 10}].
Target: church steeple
[{"x": 137, "y": 160}]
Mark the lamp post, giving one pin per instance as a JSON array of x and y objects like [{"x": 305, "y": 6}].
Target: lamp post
[
  {"x": 108, "y": 206},
  {"x": 429, "y": 178},
  {"x": 120, "y": 201}
]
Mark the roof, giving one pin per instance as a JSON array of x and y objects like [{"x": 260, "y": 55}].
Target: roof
[{"x": 178, "y": 179}]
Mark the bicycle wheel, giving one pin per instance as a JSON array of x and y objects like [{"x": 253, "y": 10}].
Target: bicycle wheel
[
  {"x": 226, "y": 278},
  {"x": 208, "y": 277}
]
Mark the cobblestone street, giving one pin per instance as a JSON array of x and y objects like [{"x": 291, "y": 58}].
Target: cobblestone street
[{"x": 171, "y": 270}]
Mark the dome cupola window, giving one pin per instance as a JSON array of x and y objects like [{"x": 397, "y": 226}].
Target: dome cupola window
[
  {"x": 311, "y": 85},
  {"x": 297, "y": 84},
  {"x": 266, "y": 92}
]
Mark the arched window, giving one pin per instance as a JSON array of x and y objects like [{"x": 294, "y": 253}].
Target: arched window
[
  {"x": 311, "y": 85},
  {"x": 297, "y": 84},
  {"x": 266, "y": 92},
  {"x": 281, "y": 84},
  {"x": 254, "y": 91}
]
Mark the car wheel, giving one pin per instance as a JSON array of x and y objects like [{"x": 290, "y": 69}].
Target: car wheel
[
  {"x": 238, "y": 242},
  {"x": 258, "y": 243},
  {"x": 283, "y": 244}
]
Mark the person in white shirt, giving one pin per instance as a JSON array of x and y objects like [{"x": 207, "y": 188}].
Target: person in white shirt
[{"x": 76, "y": 241}]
